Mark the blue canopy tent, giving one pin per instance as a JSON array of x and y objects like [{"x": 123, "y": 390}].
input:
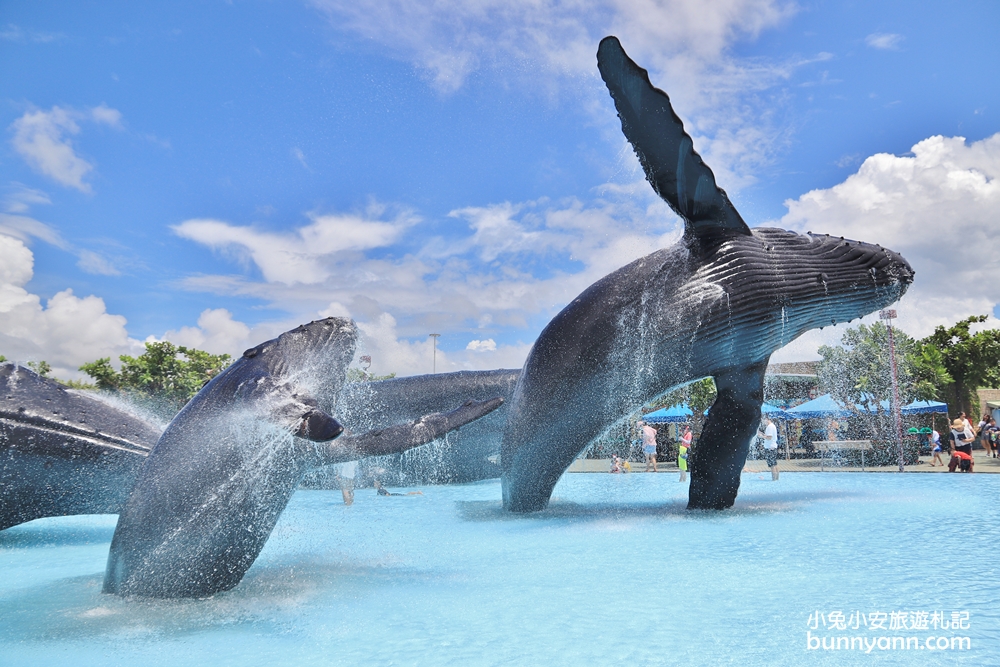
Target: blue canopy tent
[
  {"x": 676, "y": 414},
  {"x": 820, "y": 407},
  {"x": 773, "y": 411},
  {"x": 924, "y": 407}
]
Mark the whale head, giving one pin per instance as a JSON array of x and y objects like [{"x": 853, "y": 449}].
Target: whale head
[
  {"x": 820, "y": 280},
  {"x": 313, "y": 356}
]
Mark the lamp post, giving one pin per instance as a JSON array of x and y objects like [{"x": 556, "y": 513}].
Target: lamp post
[
  {"x": 435, "y": 336},
  {"x": 889, "y": 315}
]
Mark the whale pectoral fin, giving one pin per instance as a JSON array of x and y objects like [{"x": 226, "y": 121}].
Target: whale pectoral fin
[
  {"x": 399, "y": 438},
  {"x": 664, "y": 149},
  {"x": 717, "y": 458}
]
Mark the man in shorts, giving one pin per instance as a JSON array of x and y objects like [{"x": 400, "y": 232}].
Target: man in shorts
[
  {"x": 770, "y": 433},
  {"x": 649, "y": 445},
  {"x": 345, "y": 478}
]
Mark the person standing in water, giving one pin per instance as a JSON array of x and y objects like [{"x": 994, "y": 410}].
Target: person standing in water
[
  {"x": 649, "y": 445},
  {"x": 345, "y": 478},
  {"x": 770, "y": 433},
  {"x": 682, "y": 453}
]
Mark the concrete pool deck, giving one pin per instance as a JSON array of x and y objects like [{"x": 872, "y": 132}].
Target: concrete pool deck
[{"x": 983, "y": 464}]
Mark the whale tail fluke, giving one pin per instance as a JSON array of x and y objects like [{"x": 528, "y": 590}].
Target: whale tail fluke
[{"x": 664, "y": 149}]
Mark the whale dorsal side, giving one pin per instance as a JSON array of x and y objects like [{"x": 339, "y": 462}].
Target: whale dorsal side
[{"x": 665, "y": 150}]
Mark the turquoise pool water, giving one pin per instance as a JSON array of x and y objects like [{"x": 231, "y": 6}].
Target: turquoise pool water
[{"x": 614, "y": 572}]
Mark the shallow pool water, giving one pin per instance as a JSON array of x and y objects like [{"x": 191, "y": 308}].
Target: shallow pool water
[{"x": 616, "y": 571}]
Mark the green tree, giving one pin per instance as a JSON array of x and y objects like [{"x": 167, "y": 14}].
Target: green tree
[
  {"x": 858, "y": 374},
  {"x": 163, "y": 378},
  {"x": 971, "y": 360},
  {"x": 43, "y": 367}
]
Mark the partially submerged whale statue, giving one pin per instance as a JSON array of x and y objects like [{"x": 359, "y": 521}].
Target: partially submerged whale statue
[
  {"x": 464, "y": 457},
  {"x": 219, "y": 477},
  {"x": 717, "y": 304},
  {"x": 63, "y": 451}
]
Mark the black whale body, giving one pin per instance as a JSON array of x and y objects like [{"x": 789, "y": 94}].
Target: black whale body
[
  {"x": 717, "y": 304},
  {"x": 219, "y": 477},
  {"x": 62, "y": 451},
  {"x": 464, "y": 457}
]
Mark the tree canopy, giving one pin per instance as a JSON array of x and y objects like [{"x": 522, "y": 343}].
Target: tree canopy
[
  {"x": 972, "y": 361},
  {"x": 163, "y": 378},
  {"x": 858, "y": 373}
]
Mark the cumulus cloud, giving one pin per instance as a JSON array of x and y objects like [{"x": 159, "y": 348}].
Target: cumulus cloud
[
  {"x": 488, "y": 345},
  {"x": 392, "y": 353},
  {"x": 938, "y": 208},
  {"x": 67, "y": 331},
  {"x": 42, "y": 138},
  {"x": 217, "y": 332},
  {"x": 884, "y": 41}
]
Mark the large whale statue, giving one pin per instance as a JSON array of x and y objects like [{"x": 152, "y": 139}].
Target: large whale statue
[
  {"x": 64, "y": 451},
  {"x": 219, "y": 477},
  {"x": 716, "y": 304}
]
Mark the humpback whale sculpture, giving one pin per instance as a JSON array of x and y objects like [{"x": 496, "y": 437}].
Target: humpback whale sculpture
[
  {"x": 214, "y": 486},
  {"x": 62, "y": 451},
  {"x": 716, "y": 304},
  {"x": 465, "y": 457}
]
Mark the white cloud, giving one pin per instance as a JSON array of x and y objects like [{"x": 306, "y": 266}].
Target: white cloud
[
  {"x": 546, "y": 47},
  {"x": 517, "y": 263},
  {"x": 42, "y": 139},
  {"x": 24, "y": 228},
  {"x": 15, "y": 33},
  {"x": 449, "y": 39},
  {"x": 20, "y": 198},
  {"x": 107, "y": 116},
  {"x": 300, "y": 156},
  {"x": 67, "y": 331},
  {"x": 938, "y": 208},
  {"x": 392, "y": 353},
  {"x": 884, "y": 41},
  {"x": 488, "y": 345},
  {"x": 306, "y": 256},
  {"x": 91, "y": 262},
  {"x": 217, "y": 332}
]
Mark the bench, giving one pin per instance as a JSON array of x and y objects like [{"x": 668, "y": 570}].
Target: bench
[{"x": 823, "y": 446}]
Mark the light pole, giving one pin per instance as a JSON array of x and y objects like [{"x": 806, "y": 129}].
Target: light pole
[
  {"x": 889, "y": 316},
  {"x": 435, "y": 337}
]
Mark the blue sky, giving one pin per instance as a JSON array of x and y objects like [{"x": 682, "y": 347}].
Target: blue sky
[{"x": 214, "y": 173}]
